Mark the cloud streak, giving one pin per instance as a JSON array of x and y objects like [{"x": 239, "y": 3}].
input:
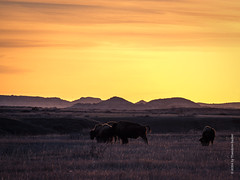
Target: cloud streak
[
  {"x": 41, "y": 5},
  {"x": 11, "y": 70},
  {"x": 125, "y": 11},
  {"x": 92, "y": 23},
  {"x": 16, "y": 43}
]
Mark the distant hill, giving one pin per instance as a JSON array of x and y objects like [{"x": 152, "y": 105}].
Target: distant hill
[
  {"x": 87, "y": 100},
  {"x": 120, "y": 103},
  {"x": 112, "y": 103},
  {"x": 33, "y": 101},
  {"x": 116, "y": 102},
  {"x": 171, "y": 103},
  {"x": 141, "y": 102}
]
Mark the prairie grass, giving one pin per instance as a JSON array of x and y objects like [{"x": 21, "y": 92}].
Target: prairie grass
[{"x": 168, "y": 156}]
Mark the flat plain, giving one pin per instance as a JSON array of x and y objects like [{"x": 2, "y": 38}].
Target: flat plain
[{"x": 61, "y": 147}]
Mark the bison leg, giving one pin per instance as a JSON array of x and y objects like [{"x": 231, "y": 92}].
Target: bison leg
[
  {"x": 115, "y": 139},
  {"x": 124, "y": 140},
  {"x": 110, "y": 140},
  {"x": 144, "y": 137},
  {"x": 98, "y": 139}
]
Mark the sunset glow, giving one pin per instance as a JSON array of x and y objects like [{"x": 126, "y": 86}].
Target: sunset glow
[{"x": 136, "y": 49}]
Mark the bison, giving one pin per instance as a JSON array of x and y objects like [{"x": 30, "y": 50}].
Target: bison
[
  {"x": 111, "y": 124},
  {"x": 208, "y": 135},
  {"x": 125, "y": 130},
  {"x": 102, "y": 133}
]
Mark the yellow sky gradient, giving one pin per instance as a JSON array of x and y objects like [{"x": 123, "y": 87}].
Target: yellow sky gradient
[{"x": 136, "y": 49}]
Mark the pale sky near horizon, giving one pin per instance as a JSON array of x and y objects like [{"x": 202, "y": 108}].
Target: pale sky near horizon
[{"x": 135, "y": 49}]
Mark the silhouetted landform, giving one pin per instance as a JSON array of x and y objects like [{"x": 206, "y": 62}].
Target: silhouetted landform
[
  {"x": 87, "y": 100},
  {"x": 120, "y": 103},
  {"x": 112, "y": 103},
  {"x": 32, "y": 101},
  {"x": 115, "y": 103},
  {"x": 171, "y": 103},
  {"x": 141, "y": 102}
]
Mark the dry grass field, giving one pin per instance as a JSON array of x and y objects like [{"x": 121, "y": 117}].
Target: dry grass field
[
  {"x": 54, "y": 144},
  {"x": 168, "y": 156}
]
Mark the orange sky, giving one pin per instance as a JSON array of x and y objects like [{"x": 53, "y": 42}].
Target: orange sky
[{"x": 136, "y": 49}]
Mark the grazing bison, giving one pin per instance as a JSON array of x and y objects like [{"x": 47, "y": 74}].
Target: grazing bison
[
  {"x": 93, "y": 133},
  {"x": 208, "y": 135},
  {"x": 102, "y": 133},
  {"x": 111, "y": 124},
  {"x": 125, "y": 130}
]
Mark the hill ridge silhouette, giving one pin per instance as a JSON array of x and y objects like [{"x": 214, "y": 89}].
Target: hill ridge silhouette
[{"x": 114, "y": 102}]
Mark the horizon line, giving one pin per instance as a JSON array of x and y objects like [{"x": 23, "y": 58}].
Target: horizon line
[{"x": 120, "y": 97}]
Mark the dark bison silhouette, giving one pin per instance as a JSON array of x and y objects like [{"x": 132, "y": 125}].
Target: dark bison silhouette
[
  {"x": 102, "y": 132},
  {"x": 124, "y": 130},
  {"x": 111, "y": 124},
  {"x": 208, "y": 136}
]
